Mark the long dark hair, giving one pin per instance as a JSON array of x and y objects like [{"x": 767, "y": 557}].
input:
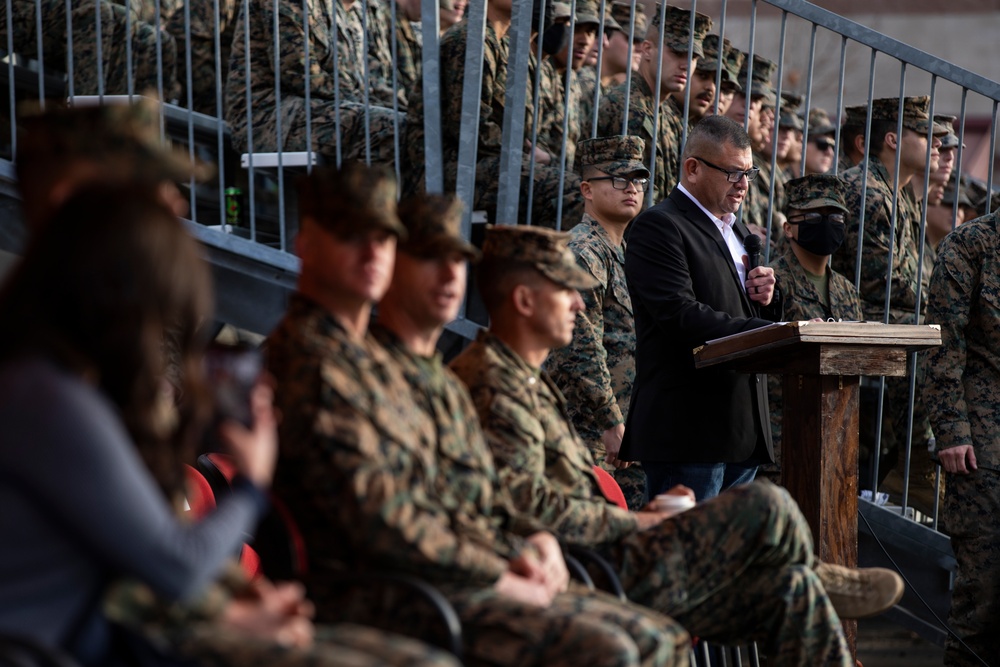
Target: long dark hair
[{"x": 114, "y": 288}]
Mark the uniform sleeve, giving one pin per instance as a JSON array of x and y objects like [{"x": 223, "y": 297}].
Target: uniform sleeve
[
  {"x": 582, "y": 366},
  {"x": 452, "y": 80},
  {"x": 517, "y": 440},
  {"x": 955, "y": 277},
  {"x": 81, "y": 468},
  {"x": 377, "y": 491}
]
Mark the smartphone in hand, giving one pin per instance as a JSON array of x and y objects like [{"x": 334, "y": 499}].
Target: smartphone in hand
[{"x": 232, "y": 371}]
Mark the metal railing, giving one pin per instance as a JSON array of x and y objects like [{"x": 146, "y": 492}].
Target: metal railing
[{"x": 293, "y": 87}]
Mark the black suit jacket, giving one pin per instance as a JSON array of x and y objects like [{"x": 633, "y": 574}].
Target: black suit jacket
[{"x": 685, "y": 290}]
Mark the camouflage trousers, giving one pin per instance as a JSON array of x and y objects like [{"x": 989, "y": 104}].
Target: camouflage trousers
[
  {"x": 344, "y": 645},
  {"x": 359, "y": 135},
  {"x": 580, "y": 627},
  {"x": 544, "y": 196},
  {"x": 972, "y": 517},
  {"x": 738, "y": 568},
  {"x": 98, "y": 65}
]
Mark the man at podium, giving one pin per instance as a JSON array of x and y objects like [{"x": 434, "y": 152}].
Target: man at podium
[{"x": 690, "y": 281}]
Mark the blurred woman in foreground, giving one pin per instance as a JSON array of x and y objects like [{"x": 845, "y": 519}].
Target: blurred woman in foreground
[{"x": 91, "y": 440}]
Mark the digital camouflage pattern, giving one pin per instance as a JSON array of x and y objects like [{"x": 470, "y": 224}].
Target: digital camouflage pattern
[
  {"x": 879, "y": 235},
  {"x": 666, "y": 137},
  {"x": 621, "y": 12},
  {"x": 467, "y": 475},
  {"x": 962, "y": 394},
  {"x": 434, "y": 226},
  {"x": 815, "y": 191},
  {"x": 759, "y": 542},
  {"x": 820, "y": 123},
  {"x": 732, "y": 60},
  {"x": 552, "y": 107},
  {"x": 804, "y": 302},
  {"x": 194, "y": 630},
  {"x": 351, "y": 198},
  {"x": 760, "y": 78},
  {"x": 207, "y": 74},
  {"x": 122, "y": 137},
  {"x": 584, "y": 84},
  {"x": 91, "y": 76},
  {"x": 332, "y": 55},
  {"x": 619, "y": 155},
  {"x": 492, "y": 104},
  {"x": 596, "y": 371},
  {"x": 542, "y": 463},
  {"x": 755, "y": 204},
  {"x": 544, "y": 249},
  {"x": 677, "y": 29},
  {"x": 409, "y": 54},
  {"x": 358, "y": 472}
]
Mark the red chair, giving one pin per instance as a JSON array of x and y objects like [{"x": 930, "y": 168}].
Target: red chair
[
  {"x": 610, "y": 488},
  {"x": 201, "y": 500}
]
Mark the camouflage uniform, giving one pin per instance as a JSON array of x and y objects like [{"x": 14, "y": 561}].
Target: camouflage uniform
[
  {"x": 724, "y": 597},
  {"x": 584, "y": 85},
  {"x": 963, "y": 396},
  {"x": 359, "y": 470},
  {"x": 409, "y": 51},
  {"x": 597, "y": 370},
  {"x": 490, "y": 136},
  {"x": 552, "y": 112},
  {"x": 804, "y": 302},
  {"x": 204, "y": 67},
  {"x": 642, "y": 106},
  {"x": 114, "y": 78},
  {"x": 191, "y": 630},
  {"x": 755, "y": 204},
  {"x": 323, "y": 47}
]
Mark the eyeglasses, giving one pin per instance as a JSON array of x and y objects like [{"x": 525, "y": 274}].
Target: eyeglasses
[
  {"x": 620, "y": 182},
  {"x": 825, "y": 145},
  {"x": 733, "y": 176},
  {"x": 835, "y": 218}
]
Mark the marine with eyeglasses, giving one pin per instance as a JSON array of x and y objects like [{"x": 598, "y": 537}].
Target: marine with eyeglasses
[
  {"x": 814, "y": 227},
  {"x": 596, "y": 370},
  {"x": 690, "y": 281}
]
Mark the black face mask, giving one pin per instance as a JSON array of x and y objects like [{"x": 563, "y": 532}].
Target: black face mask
[{"x": 819, "y": 234}]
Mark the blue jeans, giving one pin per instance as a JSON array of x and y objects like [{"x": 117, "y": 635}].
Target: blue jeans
[{"x": 707, "y": 480}]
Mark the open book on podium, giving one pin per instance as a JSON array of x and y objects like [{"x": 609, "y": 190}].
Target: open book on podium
[{"x": 820, "y": 348}]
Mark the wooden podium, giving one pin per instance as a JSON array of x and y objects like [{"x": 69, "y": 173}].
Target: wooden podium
[{"x": 821, "y": 364}]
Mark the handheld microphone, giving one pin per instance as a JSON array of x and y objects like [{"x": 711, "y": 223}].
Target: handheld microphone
[{"x": 752, "y": 245}]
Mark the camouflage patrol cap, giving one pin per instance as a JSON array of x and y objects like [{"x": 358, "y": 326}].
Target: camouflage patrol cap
[
  {"x": 434, "y": 226},
  {"x": 946, "y": 123},
  {"x": 621, "y": 12},
  {"x": 124, "y": 136},
  {"x": 915, "y": 112},
  {"x": 732, "y": 59},
  {"x": 351, "y": 199},
  {"x": 618, "y": 156},
  {"x": 815, "y": 191},
  {"x": 856, "y": 116},
  {"x": 820, "y": 123},
  {"x": 760, "y": 83},
  {"x": 588, "y": 12},
  {"x": 789, "y": 116},
  {"x": 544, "y": 249},
  {"x": 951, "y": 188},
  {"x": 677, "y": 29}
]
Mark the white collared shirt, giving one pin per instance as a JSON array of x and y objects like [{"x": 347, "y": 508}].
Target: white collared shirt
[{"x": 725, "y": 227}]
